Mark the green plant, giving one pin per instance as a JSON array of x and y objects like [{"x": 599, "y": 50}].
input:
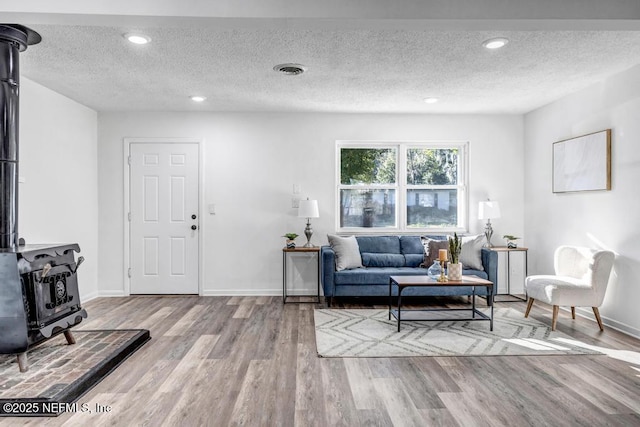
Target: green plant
[
  {"x": 509, "y": 237},
  {"x": 290, "y": 236},
  {"x": 455, "y": 247}
]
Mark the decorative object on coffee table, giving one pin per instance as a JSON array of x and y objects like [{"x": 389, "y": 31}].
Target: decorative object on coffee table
[
  {"x": 291, "y": 237},
  {"x": 442, "y": 257},
  {"x": 511, "y": 241},
  {"x": 308, "y": 209},
  {"x": 454, "y": 268},
  {"x": 488, "y": 210},
  {"x": 435, "y": 270}
]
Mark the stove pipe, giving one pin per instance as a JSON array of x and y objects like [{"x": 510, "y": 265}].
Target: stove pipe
[{"x": 13, "y": 40}]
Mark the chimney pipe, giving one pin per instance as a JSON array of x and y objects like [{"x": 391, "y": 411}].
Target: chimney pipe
[{"x": 13, "y": 40}]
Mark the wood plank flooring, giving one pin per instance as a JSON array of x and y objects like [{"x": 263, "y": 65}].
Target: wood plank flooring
[{"x": 251, "y": 361}]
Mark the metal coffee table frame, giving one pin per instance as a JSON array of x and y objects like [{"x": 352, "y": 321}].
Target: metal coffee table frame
[{"x": 403, "y": 282}]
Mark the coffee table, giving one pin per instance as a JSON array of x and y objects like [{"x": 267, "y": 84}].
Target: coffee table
[{"x": 404, "y": 282}]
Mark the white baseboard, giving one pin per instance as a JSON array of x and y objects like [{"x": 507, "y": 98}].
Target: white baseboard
[
  {"x": 608, "y": 322},
  {"x": 212, "y": 293},
  {"x": 112, "y": 294},
  {"x": 241, "y": 292},
  {"x": 258, "y": 292}
]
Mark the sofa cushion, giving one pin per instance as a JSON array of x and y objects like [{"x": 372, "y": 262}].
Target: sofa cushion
[
  {"x": 470, "y": 254},
  {"x": 380, "y": 276},
  {"x": 379, "y": 244},
  {"x": 374, "y": 276},
  {"x": 411, "y": 245},
  {"x": 382, "y": 260},
  {"x": 413, "y": 260},
  {"x": 347, "y": 252},
  {"x": 412, "y": 249}
]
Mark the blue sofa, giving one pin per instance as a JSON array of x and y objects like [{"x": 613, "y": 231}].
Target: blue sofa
[{"x": 384, "y": 256}]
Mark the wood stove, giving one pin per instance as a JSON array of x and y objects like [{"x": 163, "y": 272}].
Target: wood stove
[{"x": 39, "y": 295}]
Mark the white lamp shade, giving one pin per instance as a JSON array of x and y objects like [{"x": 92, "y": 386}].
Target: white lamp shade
[
  {"x": 308, "y": 209},
  {"x": 488, "y": 210}
]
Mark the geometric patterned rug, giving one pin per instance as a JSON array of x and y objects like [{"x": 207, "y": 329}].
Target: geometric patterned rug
[
  {"x": 369, "y": 333},
  {"x": 60, "y": 373}
]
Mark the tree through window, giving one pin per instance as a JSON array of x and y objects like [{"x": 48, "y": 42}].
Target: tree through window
[{"x": 425, "y": 179}]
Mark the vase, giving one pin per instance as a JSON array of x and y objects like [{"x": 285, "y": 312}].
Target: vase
[
  {"x": 435, "y": 270},
  {"x": 455, "y": 271},
  {"x": 291, "y": 244}
]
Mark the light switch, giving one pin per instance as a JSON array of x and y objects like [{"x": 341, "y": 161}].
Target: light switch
[
  {"x": 212, "y": 209},
  {"x": 295, "y": 203},
  {"x": 296, "y": 189},
  {"x": 21, "y": 180}
]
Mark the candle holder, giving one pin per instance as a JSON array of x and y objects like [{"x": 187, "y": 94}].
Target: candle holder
[{"x": 442, "y": 277}]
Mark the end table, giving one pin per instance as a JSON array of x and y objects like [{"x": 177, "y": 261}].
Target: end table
[
  {"x": 511, "y": 273},
  {"x": 285, "y": 252}
]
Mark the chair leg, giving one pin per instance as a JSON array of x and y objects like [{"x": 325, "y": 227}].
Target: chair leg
[
  {"x": 23, "y": 362},
  {"x": 573, "y": 313},
  {"x": 529, "y": 305},
  {"x": 554, "y": 319},
  {"x": 597, "y": 313}
]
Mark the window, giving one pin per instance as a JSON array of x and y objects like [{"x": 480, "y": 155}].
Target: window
[{"x": 401, "y": 186}]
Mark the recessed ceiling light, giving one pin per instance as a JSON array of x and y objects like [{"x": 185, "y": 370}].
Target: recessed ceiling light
[
  {"x": 495, "y": 43},
  {"x": 431, "y": 100},
  {"x": 197, "y": 98},
  {"x": 137, "y": 38},
  {"x": 290, "y": 69}
]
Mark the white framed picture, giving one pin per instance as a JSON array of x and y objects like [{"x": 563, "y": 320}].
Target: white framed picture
[{"x": 582, "y": 163}]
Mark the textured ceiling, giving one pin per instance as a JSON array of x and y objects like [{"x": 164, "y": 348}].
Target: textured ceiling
[{"x": 362, "y": 70}]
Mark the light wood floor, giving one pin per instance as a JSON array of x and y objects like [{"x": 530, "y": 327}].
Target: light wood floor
[{"x": 218, "y": 361}]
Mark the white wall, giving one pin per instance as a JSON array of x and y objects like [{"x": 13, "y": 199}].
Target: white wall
[
  {"x": 253, "y": 160},
  {"x": 604, "y": 219},
  {"x": 58, "y": 201}
]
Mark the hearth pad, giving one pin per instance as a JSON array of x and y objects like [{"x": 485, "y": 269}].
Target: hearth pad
[{"x": 61, "y": 373}]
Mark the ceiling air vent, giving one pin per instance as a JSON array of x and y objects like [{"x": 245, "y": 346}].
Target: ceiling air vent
[{"x": 290, "y": 69}]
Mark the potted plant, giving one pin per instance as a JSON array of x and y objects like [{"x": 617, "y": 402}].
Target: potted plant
[
  {"x": 511, "y": 241},
  {"x": 454, "y": 267},
  {"x": 291, "y": 237}
]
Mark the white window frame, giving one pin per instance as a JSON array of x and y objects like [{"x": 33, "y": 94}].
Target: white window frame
[{"x": 401, "y": 187}]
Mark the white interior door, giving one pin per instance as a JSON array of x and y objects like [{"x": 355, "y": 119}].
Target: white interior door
[{"x": 164, "y": 218}]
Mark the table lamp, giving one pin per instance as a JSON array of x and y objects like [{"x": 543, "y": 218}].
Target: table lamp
[
  {"x": 487, "y": 210},
  {"x": 308, "y": 209}
]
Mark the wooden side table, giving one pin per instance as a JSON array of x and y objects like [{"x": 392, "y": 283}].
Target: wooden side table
[
  {"x": 285, "y": 252},
  {"x": 517, "y": 273}
]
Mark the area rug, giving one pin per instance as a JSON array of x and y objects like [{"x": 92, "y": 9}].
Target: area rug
[
  {"x": 369, "y": 333},
  {"x": 60, "y": 373}
]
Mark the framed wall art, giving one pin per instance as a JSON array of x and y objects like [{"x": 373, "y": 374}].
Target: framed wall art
[{"x": 582, "y": 163}]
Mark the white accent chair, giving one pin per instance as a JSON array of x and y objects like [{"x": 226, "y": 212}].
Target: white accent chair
[{"x": 581, "y": 280}]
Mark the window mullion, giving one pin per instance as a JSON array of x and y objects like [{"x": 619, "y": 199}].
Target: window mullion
[{"x": 401, "y": 211}]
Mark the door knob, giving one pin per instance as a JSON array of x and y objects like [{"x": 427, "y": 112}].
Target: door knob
[
  {"x": 193, "y": 216},
  {"x": 194, "y": 227}
]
